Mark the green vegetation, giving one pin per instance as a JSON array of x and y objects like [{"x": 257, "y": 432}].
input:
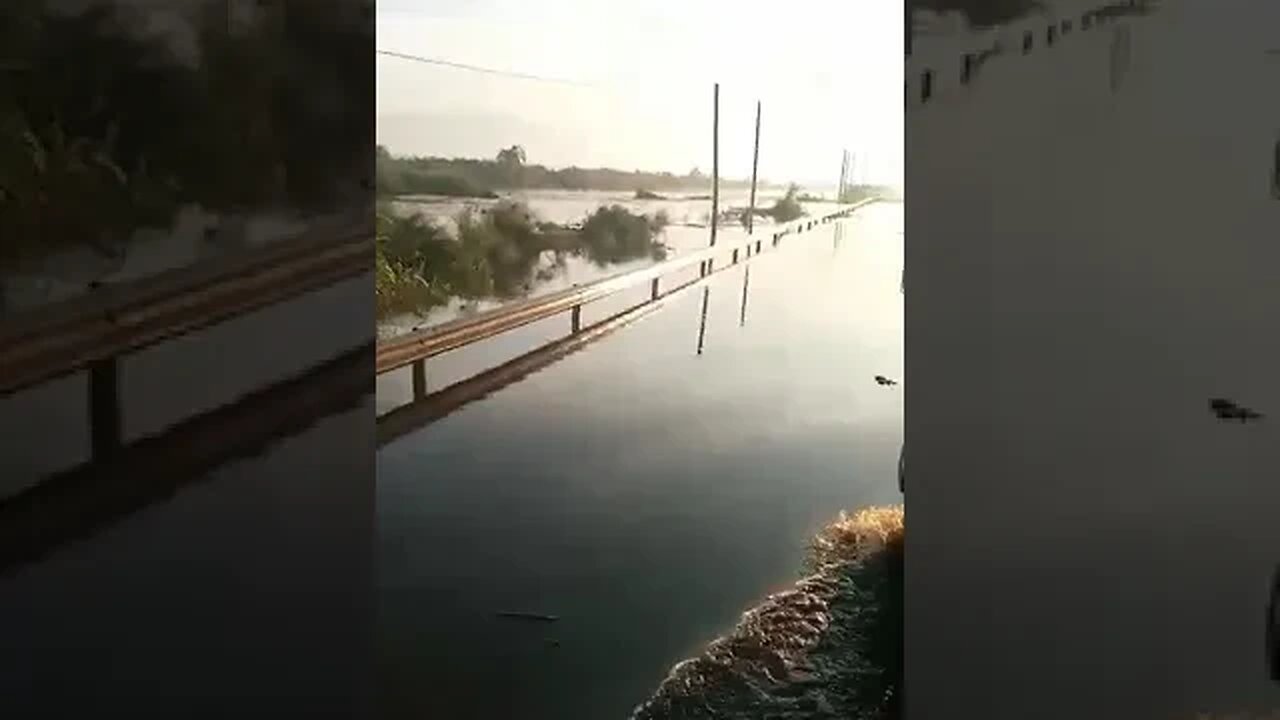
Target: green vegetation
[
  {"x": 614, "y": 234},
  {"x": 105, "y": 129},
  {"x": 396, "y": 177},
  {"x": 409, "y": 252},
  {"x": 787, "y": 208},
  {"x": 509, "y": 170},
  {"x": 499, "y": 252}
]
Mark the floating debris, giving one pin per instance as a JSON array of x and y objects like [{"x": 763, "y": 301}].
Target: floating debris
[
  {"x": 1226, "y": 409},
  {"x": 882, "y": 380}
]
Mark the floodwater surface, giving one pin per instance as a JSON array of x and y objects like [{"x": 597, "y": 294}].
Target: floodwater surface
[{"x": 643, "y": 492}]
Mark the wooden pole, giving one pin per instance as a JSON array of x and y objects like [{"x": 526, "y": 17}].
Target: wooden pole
[
  {"x": 104, "y": 409},
  {"x": 844, "y": 169},
  {"x": 702, "y": 323},
  {"x": 715, "y": 163},
  {"x": 755, "y": 164}
]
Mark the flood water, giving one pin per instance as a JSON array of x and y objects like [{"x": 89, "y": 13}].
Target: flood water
[
  {"x": 643, "y": 492},
  {"x": 688, "y": 231},
  {"x": 1093, "y": 253}
]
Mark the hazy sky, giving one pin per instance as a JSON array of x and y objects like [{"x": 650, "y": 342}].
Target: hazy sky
[{"x": 829, "y": 74}]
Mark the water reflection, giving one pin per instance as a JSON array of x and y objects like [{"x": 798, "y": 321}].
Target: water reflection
[
  {"x": 1275, "y": 171},
  {"x": 1121, "y": 44},
  {"x": 210, "y": 602},
  {"x": 1273, "y": 627},
  {"x": 140, "y": 139},
  {"x": 608, "y": 487},
  {"x": 92, "y": 498},
  {"x": 702, "y": 322}
]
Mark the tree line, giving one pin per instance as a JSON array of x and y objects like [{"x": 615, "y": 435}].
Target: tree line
[
  {"x": 108, "y": 125},
  {"x": 509, "y": 170}
]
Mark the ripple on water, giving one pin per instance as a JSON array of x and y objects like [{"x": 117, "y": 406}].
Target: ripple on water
[{"x": 828, "y": 648}]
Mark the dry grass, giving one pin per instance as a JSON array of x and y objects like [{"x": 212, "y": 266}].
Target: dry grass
[{"x": 866, "y": 530}]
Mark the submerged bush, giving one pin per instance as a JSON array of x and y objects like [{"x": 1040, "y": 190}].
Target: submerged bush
[
  {"x": 788, "y": 207},
  {"x": 497, "y": 252},
  {"x": 409, "y": 254},
  {"x": 614, "y": 234}
]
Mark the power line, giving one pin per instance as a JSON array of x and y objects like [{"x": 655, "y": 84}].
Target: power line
[{"x": 477, "y": 68}]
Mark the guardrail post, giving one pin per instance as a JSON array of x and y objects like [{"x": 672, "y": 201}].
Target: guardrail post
[
  {"x": 758, "y": 247},
  {"x": 104, "y": 409},
  {"x": 653, "y": 289},
  {"x": 419, "y": 379},
  {"x": 735, "y": 256},
  {"x": 1028, "y": 41},
  {"x": 1050, "y": 33},
  {"x": 575, "y": 319},
  {"x": 926, "y": 85},
  {"x": 966, "y": 68}
]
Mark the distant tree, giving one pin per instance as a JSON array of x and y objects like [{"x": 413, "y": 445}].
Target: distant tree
[
  {"x": 513, "y": 156},
  {"x": 512, "y": 160}
]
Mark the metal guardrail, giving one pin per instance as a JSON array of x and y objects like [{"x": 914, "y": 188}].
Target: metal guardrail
[
  {"x": 1054, "y": 30},
  {"x": 414, "y": 348},
  {"x": 93, "y": 331},
  {"x": 80, "y": 502}
]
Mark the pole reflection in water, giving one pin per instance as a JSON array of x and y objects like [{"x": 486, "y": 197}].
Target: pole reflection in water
[
  {"x": 1273, "y": 628},
  {"x": 702, "y": 324},
  {"x": 746, "y": 283},
  {"x": 1275, "y": 172}
]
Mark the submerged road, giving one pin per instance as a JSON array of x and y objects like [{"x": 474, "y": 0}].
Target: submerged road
[
  {"x": 644, "y": 491},
  {"x": 1094, "y": 252}
]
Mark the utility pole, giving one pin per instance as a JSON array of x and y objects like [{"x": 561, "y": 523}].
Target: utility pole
[
  {"x": 844, "y": 168},
  {"x": 715, "y": 162},
  {"x": 755, "y": 164}
]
